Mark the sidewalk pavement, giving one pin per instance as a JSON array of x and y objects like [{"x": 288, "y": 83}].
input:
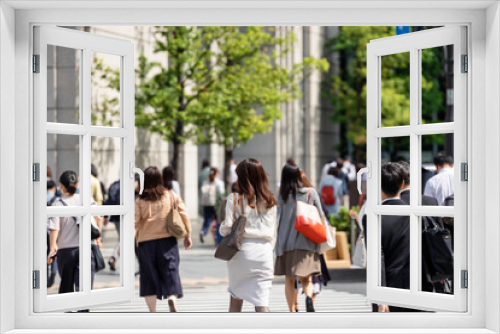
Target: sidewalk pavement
[{"x": 204, "y": 280}]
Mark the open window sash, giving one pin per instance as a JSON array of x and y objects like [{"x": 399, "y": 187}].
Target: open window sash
[
  {"x": 84, "y": 43},
  {"x": 413, "y": 43}
]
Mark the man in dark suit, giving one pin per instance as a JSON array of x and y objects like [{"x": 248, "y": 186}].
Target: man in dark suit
[
  {"x": 395, "y": 262},
  {"x": 428, "y": 284},
  {"x": 405, "y": 192}
]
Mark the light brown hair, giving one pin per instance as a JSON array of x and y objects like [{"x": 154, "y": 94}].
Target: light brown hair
[{"x": 253, "y": 183}]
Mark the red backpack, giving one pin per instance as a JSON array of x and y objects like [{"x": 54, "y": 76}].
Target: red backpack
[{"x": 328, "y": 195}]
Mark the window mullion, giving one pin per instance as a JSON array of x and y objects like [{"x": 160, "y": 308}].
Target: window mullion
[{"x": 85, "y": 161}]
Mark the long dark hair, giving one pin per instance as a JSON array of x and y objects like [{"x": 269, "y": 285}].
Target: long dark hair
[
  {"x": 153, "y": 185},
  {"x": 168, "y": 176},
  {"x": 291, "y": 181},
  {"x": 69, "y": 180},
  {"x": 252, "y": 182}
]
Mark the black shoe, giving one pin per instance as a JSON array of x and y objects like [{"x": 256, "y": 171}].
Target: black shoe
[
  {"x": 202, "y": 240},
  {"x": 112, "y": 266},
  {"x": 309, "y": 305}
]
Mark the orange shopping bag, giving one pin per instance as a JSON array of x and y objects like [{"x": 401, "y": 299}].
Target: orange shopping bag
[{"x": 308, "y": 222}]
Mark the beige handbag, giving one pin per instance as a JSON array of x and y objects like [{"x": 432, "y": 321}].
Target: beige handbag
[{"x": 175, "y": 225}]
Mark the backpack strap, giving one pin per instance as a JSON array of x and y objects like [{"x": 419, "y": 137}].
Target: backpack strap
[{"x": 66, "y": 204}]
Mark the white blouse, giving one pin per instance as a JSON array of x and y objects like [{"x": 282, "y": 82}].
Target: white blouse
[{"x": 258, "y": 225}]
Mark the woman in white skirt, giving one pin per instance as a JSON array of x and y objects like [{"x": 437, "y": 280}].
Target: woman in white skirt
[{"x": 251, "y": 269}]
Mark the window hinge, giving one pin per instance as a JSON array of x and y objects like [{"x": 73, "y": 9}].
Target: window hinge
[
  {"x": 36, "y": 279},
  {"x": 465, "y": 279},
  {"x": 36, "y": 63},
  {"x": 36, "y": 172},
  {"x": 464, "y": 171},
  {"x": 465, "y": 64}
]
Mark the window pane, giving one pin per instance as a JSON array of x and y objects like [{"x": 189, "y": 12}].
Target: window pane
[
  {"x": 63, "y": 155},
  {"x": 437, "y": 170},
  {"x": 437, "y": 254},
  {"x": 395, "y": 90},
  {"x": 396, "y": 150},
  {"x": 105, "y": 89},
  {"x": 110, "y": 275},
  {"x": 395, "y": 244},
  {"x": 63, "y": 275},
  {"x": 437, "y": 84},
  {"x": 106, "y": 160},
  {"x": 63, "y": 85}
]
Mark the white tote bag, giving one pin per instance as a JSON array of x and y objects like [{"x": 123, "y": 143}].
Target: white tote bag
[
  {"x": 359, "y": 256},
  {"x": 331, "y": 241}
]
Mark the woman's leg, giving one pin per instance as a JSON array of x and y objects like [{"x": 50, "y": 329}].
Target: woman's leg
[
  {"x": 235, "y": 305},
  {"x": 290, "y": 292},
  {"x": 261, "y": 309},
  {"x": 151, "y": 302},
  {"x": 171, "y": 303},
  {"x": 307, "y": 286}
]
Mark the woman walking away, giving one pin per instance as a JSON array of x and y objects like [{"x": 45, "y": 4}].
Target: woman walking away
[
  {"x": 158, "y": 250},
  {"x": 65, "y": 237},
  {"x": 212, "y": 191},
  {"x": 251, "y": 269},
  {"x": 296, "y": 255},
  {"x": 169, "y": 182}
]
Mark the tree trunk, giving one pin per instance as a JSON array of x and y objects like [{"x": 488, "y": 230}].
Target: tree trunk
[
  {"x": 228, "y": 154},
  {"x": 179, "y": 129}
]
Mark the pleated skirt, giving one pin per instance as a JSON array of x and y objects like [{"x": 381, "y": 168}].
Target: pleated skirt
[{"x": 250, "y": 272}]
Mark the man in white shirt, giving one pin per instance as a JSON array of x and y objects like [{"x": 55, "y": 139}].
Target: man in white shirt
[
  {"x": 349, "y": 168},
  {"x": 326, "y": 168},
  {"x": 441, "y": 185},
  {"x": 232, "y": 170}
]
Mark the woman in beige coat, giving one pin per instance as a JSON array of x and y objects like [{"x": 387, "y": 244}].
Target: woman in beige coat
[{"x": 157, "y": 249}]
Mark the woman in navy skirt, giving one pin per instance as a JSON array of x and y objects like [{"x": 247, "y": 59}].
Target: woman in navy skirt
[{"x": 157, "y": 249}]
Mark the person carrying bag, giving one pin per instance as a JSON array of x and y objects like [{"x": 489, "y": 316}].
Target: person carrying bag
[
  {"x": 301, "y": 232},
  {"x": 250, "y": 233}
]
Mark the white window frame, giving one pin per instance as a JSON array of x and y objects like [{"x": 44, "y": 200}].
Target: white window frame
[
  {"x": 413, "y": 43},
  {"x": 484, "y": 50},
  {"x": 85, "y": 43}
]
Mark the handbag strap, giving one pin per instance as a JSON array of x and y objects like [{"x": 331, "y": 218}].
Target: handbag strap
[
  {"x": 308, "y": 197},
  {"x": 172, "y": 197},
  {"x": 235, "y": 201},
  {"x": 238, "y": 198},
  {"x": 242, "y": 205}
]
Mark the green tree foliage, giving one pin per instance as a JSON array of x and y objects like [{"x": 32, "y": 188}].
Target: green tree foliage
[
  {"x": 221, "y": 85},
  {"x": 167, "y": 95},
  {"x": 348, "y": 89},
  {"x": 249, "y": 85}
]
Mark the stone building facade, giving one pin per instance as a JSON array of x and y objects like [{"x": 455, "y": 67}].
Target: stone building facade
[{"x": 305, "y": 131}]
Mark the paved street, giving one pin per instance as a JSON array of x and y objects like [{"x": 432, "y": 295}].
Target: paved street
[{"x": 204, "y": 281}]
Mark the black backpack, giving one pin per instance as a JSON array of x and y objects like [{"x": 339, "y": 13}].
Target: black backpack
[{"x": 113, "y": 194}]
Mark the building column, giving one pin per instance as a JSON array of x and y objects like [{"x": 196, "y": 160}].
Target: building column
[{"x": 188, "y": 177}]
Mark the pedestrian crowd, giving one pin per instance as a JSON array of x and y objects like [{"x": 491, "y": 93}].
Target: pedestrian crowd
[{"x": 271, "y": 243}]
